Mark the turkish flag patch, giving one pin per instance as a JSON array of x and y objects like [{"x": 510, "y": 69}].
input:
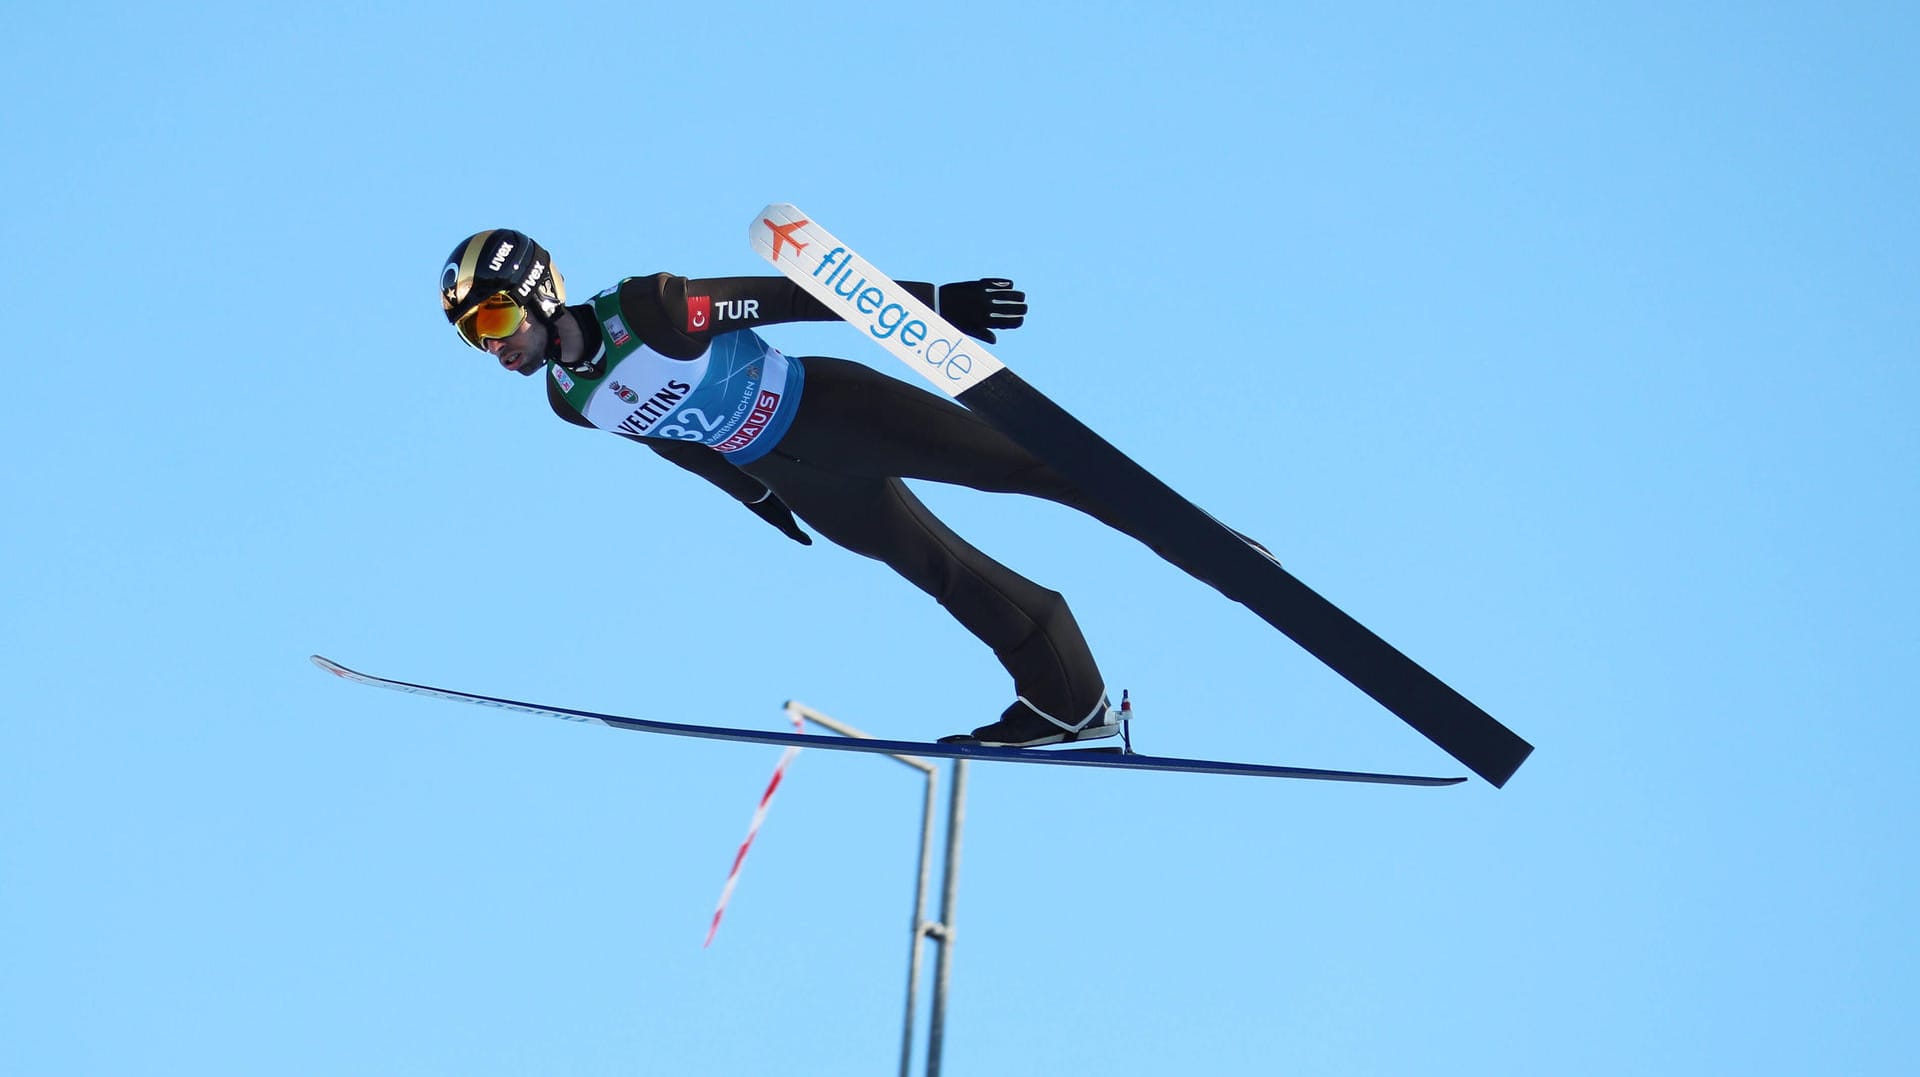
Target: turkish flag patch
[{"x": 699, "y": 313}]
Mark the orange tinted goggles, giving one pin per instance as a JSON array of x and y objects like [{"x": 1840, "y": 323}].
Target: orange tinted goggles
[{"x": 497, "y": 316}]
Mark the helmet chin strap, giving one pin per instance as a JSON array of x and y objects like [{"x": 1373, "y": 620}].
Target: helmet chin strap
[{"x": 592, "y": 347}]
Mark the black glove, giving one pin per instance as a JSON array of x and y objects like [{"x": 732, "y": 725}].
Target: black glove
[
  {"x": 775, "y": 512},
  {"x": 978, "y": 307}
]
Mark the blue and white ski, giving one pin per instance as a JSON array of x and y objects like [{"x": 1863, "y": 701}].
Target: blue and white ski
[
  {"x": 962, "y": 368},
  {"x": 1070, "y": 757}
]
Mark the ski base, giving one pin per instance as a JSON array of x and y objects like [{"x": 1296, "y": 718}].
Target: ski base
[{"x": 1113, "y": 758}]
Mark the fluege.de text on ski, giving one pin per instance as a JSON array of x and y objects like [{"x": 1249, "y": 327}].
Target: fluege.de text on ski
[{"x": 883, "y": 316}]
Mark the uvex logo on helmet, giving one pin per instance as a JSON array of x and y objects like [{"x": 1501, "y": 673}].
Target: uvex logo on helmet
[
  {"x": 500, "y": 256},
  {"x": 538, "y": 271}
]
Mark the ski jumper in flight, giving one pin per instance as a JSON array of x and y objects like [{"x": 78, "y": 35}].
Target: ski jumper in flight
[{"x": 675, "y": 364}]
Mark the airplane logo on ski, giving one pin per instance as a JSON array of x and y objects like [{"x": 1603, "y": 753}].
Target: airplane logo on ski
[{"x": 783, "y": 233}]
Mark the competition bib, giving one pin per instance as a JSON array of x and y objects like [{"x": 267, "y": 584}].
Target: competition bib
[{"x": 739, "y": 397}]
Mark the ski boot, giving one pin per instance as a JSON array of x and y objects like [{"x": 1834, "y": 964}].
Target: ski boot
[{"x": 1024, "y": 725}]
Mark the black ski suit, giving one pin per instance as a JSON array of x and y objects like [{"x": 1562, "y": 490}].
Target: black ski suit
[{"x": 855, "y": 435}]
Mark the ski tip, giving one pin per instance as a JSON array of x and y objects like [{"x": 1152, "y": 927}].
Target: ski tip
[
  {"x": 328, "y": 664},
  {"x": 772, "y": 215}
]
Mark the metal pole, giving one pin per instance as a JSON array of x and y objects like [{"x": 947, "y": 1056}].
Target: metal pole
[
  {"x": 919, "y": 924},
  {"x": 943, "y": 969},
  {"x": 921, "y": 927}
]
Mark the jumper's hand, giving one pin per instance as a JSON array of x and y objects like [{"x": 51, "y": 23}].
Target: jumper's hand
[
  {"x": 978, "y": 307},
  {"x": 775, "y": 512}
]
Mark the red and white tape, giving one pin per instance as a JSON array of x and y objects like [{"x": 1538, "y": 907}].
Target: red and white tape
[{"x": 759, "y": 816}]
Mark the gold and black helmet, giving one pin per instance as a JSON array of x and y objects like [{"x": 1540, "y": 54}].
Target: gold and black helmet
[{"x": 493, "y": 280}]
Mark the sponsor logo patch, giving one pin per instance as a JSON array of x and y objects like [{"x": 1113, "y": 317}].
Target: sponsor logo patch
[
  {"x": 617, "y": 331},
  {"x": 757, "y": 419},
  {"x": 560, "y": 375}
]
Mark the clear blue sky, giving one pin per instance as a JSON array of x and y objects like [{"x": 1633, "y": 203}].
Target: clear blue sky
[{"x": 1573, "y": 352}]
